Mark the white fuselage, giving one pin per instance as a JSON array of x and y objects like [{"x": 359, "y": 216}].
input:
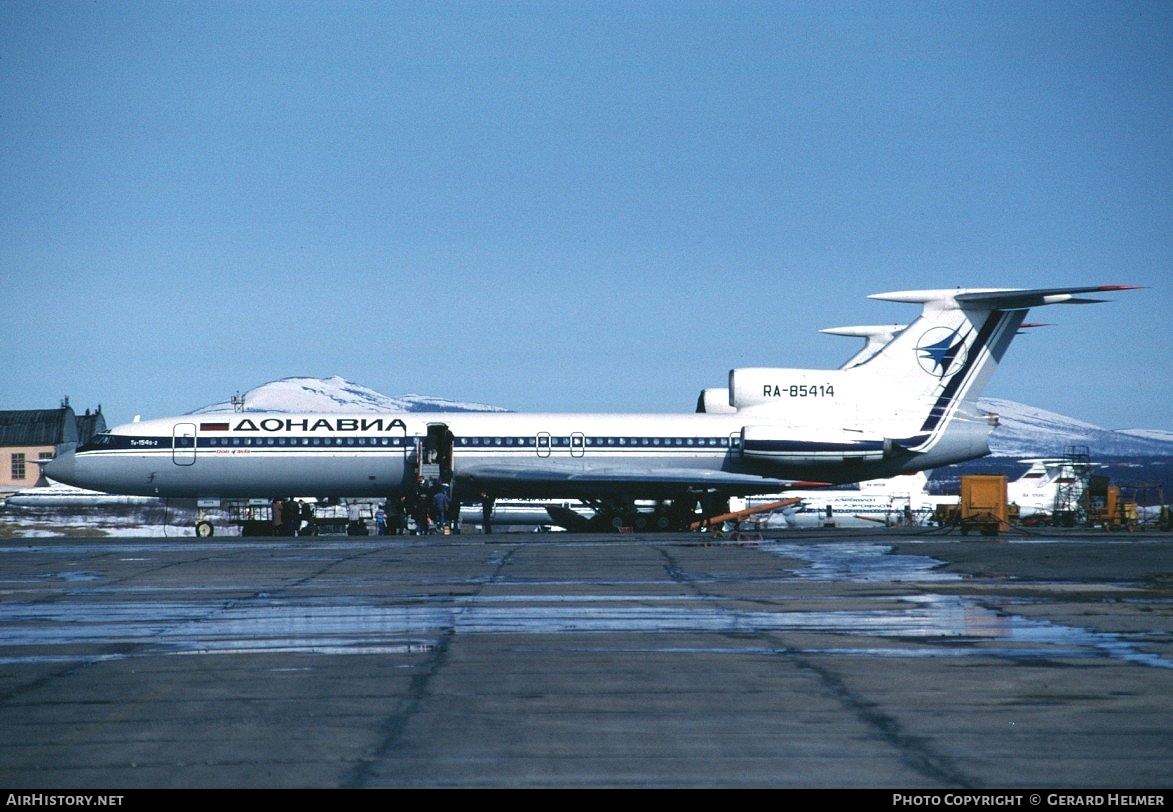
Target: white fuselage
[{"x": 249, "y": 454}]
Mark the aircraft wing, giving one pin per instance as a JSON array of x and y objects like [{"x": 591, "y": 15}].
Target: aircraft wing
[{"x": 526, "y": 481}]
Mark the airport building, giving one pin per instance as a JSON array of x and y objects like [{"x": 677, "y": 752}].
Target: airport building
[{"x": 28, "y": 435}]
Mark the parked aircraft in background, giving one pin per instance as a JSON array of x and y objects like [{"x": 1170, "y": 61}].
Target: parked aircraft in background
[
  {"x": 55, "y": 495},
  {"x": 531, "y": 513},
  {"x": 895, "y": 501},
  {"x": 902, "y": 500},
  {"x": 1047, "y": 486},
  {"x": 911, "y": 405}
]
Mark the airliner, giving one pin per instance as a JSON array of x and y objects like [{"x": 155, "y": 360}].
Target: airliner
[
  {"x": 909, "y": 405},
  {"x": 1047, "y": 486},
  {"x": 893, "y": 501},
  {"x": 58, "y": 496},
  {"x": 532, "y": 513}
]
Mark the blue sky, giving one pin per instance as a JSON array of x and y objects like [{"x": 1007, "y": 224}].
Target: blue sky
[{"x": 571, "y": 206}]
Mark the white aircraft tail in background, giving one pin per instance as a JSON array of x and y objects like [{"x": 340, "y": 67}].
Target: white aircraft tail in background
[{"x": 1047, "y": 486}]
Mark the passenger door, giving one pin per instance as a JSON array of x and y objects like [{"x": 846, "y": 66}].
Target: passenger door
[{"x": 183, "y": 444}]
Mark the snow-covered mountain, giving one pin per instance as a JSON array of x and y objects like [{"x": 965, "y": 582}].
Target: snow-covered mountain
[
  {"x": 1023, "y": 431},
  {"x": 335, "y": 395},
  {"x": 1150, "y": 434}
]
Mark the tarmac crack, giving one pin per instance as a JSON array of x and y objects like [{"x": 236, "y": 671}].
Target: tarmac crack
[
  {"x": 912, "y": 749},
  {"x": 418, "y": 694}
]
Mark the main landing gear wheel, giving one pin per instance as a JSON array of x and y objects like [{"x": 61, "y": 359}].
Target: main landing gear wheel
[{"x": 204, "y": 530}]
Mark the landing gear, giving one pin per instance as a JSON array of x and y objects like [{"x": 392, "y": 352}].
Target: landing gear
[
  {"x": 664, "y": 516},
  {"x": 204, "y": 529}
]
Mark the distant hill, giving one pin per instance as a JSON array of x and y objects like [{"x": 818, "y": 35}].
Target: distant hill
[
  {"x": 1023, "y": 431},
  {"x": 336, "y": 395}
]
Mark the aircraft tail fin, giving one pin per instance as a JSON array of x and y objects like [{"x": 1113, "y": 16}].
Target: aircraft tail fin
[
  {"x": 950, "y": 352},
  {"x": 902, "y": 398}
]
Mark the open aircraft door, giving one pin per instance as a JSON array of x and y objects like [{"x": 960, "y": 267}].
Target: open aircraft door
[
  {"x": 436, "y": 462},
  {"x": 183, "y": 444}
]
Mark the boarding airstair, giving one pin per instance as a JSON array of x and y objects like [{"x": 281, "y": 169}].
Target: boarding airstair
[{"x": 1071, "y": 493}]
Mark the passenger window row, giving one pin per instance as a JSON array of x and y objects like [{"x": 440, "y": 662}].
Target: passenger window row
[{"x": 472, "y": 442}]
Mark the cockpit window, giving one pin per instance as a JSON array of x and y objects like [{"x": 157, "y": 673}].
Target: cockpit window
[{"x": 102, "y": 439}]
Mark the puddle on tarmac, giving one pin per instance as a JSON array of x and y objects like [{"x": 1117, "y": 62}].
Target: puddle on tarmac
[
  {"x": 861, "y": 561},
  {"x": 926, "y": 625}
]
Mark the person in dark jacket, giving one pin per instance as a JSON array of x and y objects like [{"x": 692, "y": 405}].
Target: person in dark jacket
[
  {"x": 440, "y": 500},
  {"x": 395, "y": 516},
  {"x": 291, "y": 514},
  {"x": 308, "y": 524}
]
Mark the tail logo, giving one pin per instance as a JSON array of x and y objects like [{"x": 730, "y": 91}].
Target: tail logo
[{"x": 941, "y": 351}]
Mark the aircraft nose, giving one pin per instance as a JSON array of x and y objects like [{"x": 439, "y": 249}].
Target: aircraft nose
[{"x": 61, "y": 468}]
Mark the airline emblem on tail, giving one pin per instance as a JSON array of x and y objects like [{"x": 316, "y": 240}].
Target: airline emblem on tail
[{"x": 941, "y": 351}]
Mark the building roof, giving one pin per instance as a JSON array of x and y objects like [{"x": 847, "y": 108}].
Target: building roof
[
  {"x": 49, "y": 426},
  {"x": 89, "y": 424}
]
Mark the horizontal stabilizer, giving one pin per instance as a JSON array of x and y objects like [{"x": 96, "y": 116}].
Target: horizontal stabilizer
[
  {"x": 1001, "y": 298},
  {"x": 865, "y": 330}
]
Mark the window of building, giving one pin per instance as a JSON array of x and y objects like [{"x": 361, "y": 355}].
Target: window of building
[{"x": 18, "y": 466}]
